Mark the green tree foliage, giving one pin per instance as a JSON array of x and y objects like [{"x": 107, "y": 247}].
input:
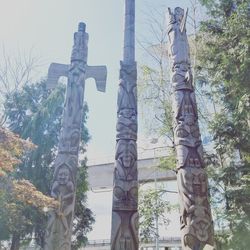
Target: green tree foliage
[
  {"x": 224, "y": 62},
  {"x": 35, "y": 113},
  {"x": 152, "y": 206},
  {"x": 84, "y": 216}
]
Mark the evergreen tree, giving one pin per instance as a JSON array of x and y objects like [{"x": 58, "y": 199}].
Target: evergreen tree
[{"x": 224, "y": 62}]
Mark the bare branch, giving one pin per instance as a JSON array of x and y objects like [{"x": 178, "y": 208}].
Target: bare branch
[{"x": 16, "y": 71}]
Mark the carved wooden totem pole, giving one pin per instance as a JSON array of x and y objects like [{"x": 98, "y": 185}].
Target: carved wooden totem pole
[
  {"x": 59, "y": 228},
  {"x": 196, "y": 219},
  {"x": 124, "y": 235}
]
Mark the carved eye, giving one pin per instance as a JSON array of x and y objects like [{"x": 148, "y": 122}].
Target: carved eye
[
  {"x": 195, "y": 132},
  {"x": 133, "y": 193},
  {"x": 189, "y": 177},
  {"x": 119, "y": 193},
  {"x": 202, "y": 177}
]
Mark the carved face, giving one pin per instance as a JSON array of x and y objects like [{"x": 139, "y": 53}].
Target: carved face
[
  {"x": 179, "y": 14},
  {"x": 189, "y": 119},
  {"x": 63, "y": 175},
  {"x": 199, "y": 183},
  {"x": 194, "y": 180},
  {"x": 127, "y": 159},
  {"x": 128, "y": 113},
  {"x": 126, "y": 151}
]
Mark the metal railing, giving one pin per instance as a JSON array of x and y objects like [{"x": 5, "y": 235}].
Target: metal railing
[
  {"x": 105, "y": 242},
  {"x": 162, "y": 240}
]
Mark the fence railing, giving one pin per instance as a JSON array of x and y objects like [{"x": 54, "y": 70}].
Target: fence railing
[{"x": 166, "y": 240}]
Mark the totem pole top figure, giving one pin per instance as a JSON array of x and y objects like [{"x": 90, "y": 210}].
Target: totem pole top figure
[
  {"x": 79, "y": 54},
  {"x": 178, "y": 37},
  {"x": 179, "y": 49}
]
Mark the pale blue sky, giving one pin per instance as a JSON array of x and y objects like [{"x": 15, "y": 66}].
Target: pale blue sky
[{"x": 47, "y": 26}]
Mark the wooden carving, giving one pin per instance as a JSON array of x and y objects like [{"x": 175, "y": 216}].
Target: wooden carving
[
  {"x": 196, "y": 219},
  {"x": 59, "y": 228},
  {"x": 124, "y": 235}
]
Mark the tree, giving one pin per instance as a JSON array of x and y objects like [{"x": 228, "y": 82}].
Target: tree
[
  {"x": 15, "y": 195},
  {"x": 152, "y": 207},
  {"x": 11, "y": 149},
  {"x": 35, "y": 112},
  {"x": 15, "y": 72},
  {"x": 153, "y": 80},
  {"x": 223, "y": 55},
  {"x": 84, "y": 216}
]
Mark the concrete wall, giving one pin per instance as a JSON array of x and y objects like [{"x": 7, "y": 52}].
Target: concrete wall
[{"x": 101, "y": 175}]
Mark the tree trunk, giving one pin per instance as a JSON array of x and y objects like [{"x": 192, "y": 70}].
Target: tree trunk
[{"x": 15, "y": 243}]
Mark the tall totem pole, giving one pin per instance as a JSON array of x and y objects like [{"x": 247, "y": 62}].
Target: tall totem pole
[
  {"x": 124, "y": 235},
  {"x": 196, "y": 220},
  {"x": 59, "y": 228}
]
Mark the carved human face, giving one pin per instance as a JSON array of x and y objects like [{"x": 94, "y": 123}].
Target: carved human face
[
  {"x": 199, "y": 182},
  {"x": 63, "y": 175},
  {"x": 179, "y": 14},
  {"x": 128, "y": 113},
  {"x": 189, "y": 118},
  {"x": 126, "y": 153},
  {"x": 194, "y": 180},
  {"x": 126, "y": 159}
]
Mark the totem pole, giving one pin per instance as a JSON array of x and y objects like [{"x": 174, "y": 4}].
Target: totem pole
[
  {"x": 59, "y": 227},
  {"x": 124, "y": 235},
  {"x": 196, "y": 220}
]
